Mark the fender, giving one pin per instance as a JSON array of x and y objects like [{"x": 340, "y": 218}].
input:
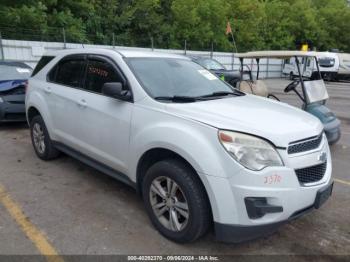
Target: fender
[
  {"x": 38, "y": 102},
  {"x": 202, "y": 153}
]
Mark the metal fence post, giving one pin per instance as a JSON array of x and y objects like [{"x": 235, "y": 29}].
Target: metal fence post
[
  {"x": 267, "y": 69},
  {"x": 212, "y": 49},
  {"x": 233, "y": 60},
  {"x": 1, "y": 48},
  {"x": 185, "y": 46},
  {"x": 152, "y": 43},
  {"x": 64, "y": 38},
  {"x": 113, "y": 40}
]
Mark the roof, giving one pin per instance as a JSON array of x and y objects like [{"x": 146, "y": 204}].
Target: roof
[
  {"x": 122, "y": 52},
  {"x": 137, "y": 53},
  {"x": 275, "y": 54}
]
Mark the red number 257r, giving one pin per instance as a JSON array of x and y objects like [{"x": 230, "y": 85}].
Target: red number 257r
[{"x": 273, "y": 179}]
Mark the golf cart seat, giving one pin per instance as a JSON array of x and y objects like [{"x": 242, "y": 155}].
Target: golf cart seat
[{"x": 257, "y": 87}]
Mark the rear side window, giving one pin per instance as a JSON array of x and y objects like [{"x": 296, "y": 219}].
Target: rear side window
[
  {"x": 68, "y": 72},
  {"x": 42, "y": 63},
  {"x": 98, "y": 73}
]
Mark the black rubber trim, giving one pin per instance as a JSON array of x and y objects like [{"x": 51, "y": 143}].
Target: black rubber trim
[
  {"x": 238, "y": 234},
  {"x": 95, "y": 164},
  {"x": 257, "y": 207}
]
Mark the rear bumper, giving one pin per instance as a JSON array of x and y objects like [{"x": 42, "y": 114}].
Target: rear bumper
[{"x": 10, "y": 112}]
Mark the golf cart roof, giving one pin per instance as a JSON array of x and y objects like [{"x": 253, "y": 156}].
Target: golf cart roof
[{"x": 282, "y": 54}]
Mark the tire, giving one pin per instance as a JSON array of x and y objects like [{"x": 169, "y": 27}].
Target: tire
[
  {"x": 291, "y": 76},
  {"x": 190, "y": 191},
  {"x": 43, "y": 146},
  {"x": 336, "y": 140}
]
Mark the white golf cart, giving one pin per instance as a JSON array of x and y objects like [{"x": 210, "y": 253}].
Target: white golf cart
[{"x": 311, "y": 90}]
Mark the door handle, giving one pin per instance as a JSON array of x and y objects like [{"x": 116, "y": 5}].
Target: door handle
[
  {"x": 47, "y": 90},
  {"x": 82, "y": 103}
]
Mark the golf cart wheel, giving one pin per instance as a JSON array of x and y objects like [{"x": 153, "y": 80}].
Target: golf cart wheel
[
  {"x": 291, "y": 76},
  {"x": 334, "y": 141},
  {"x": 176, "y": 201}
]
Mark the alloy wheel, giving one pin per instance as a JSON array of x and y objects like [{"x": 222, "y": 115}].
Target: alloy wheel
[
  {"x": 39, "y": 138},
  {"x": 169, "y": 203}
]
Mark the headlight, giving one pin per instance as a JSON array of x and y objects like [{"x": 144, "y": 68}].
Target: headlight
[
  {"x": 250, "y": 151},
  {"x": 1, "y": 100}
]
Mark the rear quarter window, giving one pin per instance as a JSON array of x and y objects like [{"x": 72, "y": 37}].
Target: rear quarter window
[{"x": 42, "y": 63}]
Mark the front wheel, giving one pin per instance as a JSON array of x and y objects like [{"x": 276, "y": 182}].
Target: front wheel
[
  {"x": 175, "y": 201},
  {"x": 291, "y": 76}
]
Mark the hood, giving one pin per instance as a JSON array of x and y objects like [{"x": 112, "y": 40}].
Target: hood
[
  {"x": 6, "y": 85},
  {"x": 272, "y": 120}
]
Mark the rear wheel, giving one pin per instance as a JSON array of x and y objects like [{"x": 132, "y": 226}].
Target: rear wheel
[
  {"x": 175, "y": 201},
  {"x": 41, "y": 141}
]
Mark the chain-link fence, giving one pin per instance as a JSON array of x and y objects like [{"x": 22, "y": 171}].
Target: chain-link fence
[{"x": 29, "y": 45}]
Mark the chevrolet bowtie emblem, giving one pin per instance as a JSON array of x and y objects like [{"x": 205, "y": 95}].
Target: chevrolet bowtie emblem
[{"x": 322, "y": 157}]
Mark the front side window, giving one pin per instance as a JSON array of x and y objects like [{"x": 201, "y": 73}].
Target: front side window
[
  {"x": 175, "y": 77},
  {"x": 98, "y": 73},
  {"x": 326, "y": 62},
  {"x": 68, "y": 72}
]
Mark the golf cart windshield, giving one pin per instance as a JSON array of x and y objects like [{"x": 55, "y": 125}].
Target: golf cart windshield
[
  {"x": 311, "y": 84},
  {"x": 315, "y": 91}
]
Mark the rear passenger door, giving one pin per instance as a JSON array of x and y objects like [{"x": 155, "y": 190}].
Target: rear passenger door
[
  {"x": 104, "y": 126},
  {"x": 65, "y": 89}
]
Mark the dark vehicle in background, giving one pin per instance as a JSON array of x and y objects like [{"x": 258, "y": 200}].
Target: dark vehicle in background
[
  {"x": 230, "y": 76},
  {"x": 13, "y": 81}
]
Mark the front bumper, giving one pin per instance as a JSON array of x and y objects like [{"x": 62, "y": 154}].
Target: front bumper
[
  {"x": 283, "y": 193},
  {"x": 240, "y": 233},
  {"x": 12, "y": 110}
]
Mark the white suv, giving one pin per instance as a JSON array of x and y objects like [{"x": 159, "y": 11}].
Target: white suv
[{"x": 198, "y": 151}]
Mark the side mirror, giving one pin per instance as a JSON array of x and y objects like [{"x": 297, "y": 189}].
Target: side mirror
[{"x": 115, "y": 90}]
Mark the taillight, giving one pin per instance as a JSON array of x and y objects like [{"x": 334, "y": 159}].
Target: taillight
[{"x": 26, "y": 86}]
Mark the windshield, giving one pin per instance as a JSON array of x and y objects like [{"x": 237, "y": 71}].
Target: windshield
[
  {"x": 169, "y": 77},
  {"x": 211, "y": 64},
  {"x": 14, "y": 72},
  {"x": 326, "y": 62}
]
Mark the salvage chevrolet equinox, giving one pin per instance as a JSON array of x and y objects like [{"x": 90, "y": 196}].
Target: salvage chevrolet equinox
[{"x": 198, "y": 151}]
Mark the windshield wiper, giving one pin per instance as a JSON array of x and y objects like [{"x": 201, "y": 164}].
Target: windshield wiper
[
  {"x": 220, "y": 93},
  {"x": 178, "y": 99}
]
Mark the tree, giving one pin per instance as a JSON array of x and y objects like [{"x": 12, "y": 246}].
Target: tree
[{"x": 256, "y": 24}]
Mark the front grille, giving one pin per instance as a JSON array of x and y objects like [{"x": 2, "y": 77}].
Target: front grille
[
  {"x": 305, "y": 145},
  {"x": 16, "y": 91},
  {"x": 311, "y": 174},
  {"x": 16, "y": 102},
  {"x": 15, "y": 116}
]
